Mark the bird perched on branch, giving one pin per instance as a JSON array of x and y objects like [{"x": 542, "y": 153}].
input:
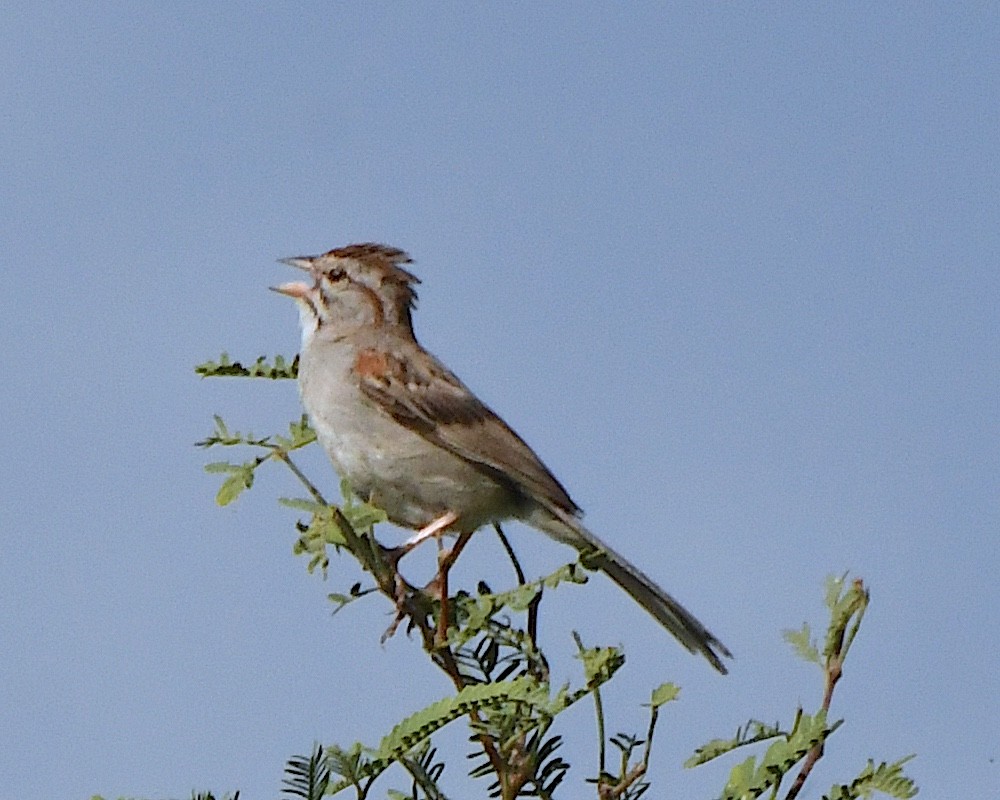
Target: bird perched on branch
[{"x": 412, "y": 439}]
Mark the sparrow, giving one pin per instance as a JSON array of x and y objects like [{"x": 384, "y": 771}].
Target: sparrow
[{"x": 408, "y": 436}]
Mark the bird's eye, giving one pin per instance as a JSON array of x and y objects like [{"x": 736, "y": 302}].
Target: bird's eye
[{"x": 335, "y": 274}]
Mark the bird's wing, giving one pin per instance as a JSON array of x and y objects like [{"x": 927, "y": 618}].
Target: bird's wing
[{"x": 422, "y": 394}]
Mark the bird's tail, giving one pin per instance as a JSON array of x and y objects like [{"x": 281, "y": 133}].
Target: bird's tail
[{"x": 677, "y": 620}]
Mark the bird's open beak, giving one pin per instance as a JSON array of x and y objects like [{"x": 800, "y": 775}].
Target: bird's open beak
[{"x": 295, "y": 290}]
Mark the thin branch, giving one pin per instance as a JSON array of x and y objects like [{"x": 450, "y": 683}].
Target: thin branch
[
  {"x": 598, "y": 710},
  {"x": 310, "y": 487},
  {"x": 654, "y": 714},
  {"x": 532, "y": 627},
  {"x": 510, "y": 554},
  {"x": 834, "y": 671}
]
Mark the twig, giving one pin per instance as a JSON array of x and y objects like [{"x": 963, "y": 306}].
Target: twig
[
  {"x": 598, "y": 711},
  {"x": 510, "y": 554},
  {"x": 834, "y": 670},
  {"x": 535, "y": 601},
  {"x": 310, "y": 487}
]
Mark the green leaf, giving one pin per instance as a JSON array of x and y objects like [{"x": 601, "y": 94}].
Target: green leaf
[
  {"x": 664, "y": 693},
  {"x": 749, "y": 779},
  {"x": 570, "y": 573},
  {"x": 227, "y": 368},
  {"x": 223, "y": 436},
  {"x": 801, "y": 641},
  {"x": 521, "y": 598},
  {"x": 847, "y": 609},
  {"x": 363, "y": 517},
  {"x": 321, "y": 531},
  {"x": 751, "y": 733},
  {"x": 300, "y": 435},
  {"x": 233, "y": 486},
  {"x": 222, "y": 466},
  {"x": 356, "y": 593},
  {"x": 301, "y": 432},
  {"x": 418, "y": 727},
  {"x": 600, "y": 663},
  {"x": 346, "y": 492},
  {"x": 886, "y": 778},
  {"x": 834, "y": 587},
  {"x": 740, "y": 778},
  {"x": 307, "y": 777},
  {"x": 353, "y": 765},
  {"x": 302, "y": 504}
]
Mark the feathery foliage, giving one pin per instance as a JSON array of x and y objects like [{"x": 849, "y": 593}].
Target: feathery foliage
[
  {"x": 485, "y": 644},
  {"x": 281, "y": 369}
]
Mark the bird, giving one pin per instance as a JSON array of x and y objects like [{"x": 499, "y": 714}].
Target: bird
[{"x": 408, "y": 436}]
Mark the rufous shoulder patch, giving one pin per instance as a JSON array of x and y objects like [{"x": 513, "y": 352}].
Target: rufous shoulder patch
[{"x": 371, "y": 364}]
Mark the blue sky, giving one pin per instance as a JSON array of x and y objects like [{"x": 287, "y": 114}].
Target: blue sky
[{"x": 732, "y": 270}]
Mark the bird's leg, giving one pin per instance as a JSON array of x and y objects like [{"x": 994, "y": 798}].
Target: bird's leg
[
  {"x": 435, "y": 528},
  {"x": 447, "y": 558},
  {"x": 401, "y": 599}
]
